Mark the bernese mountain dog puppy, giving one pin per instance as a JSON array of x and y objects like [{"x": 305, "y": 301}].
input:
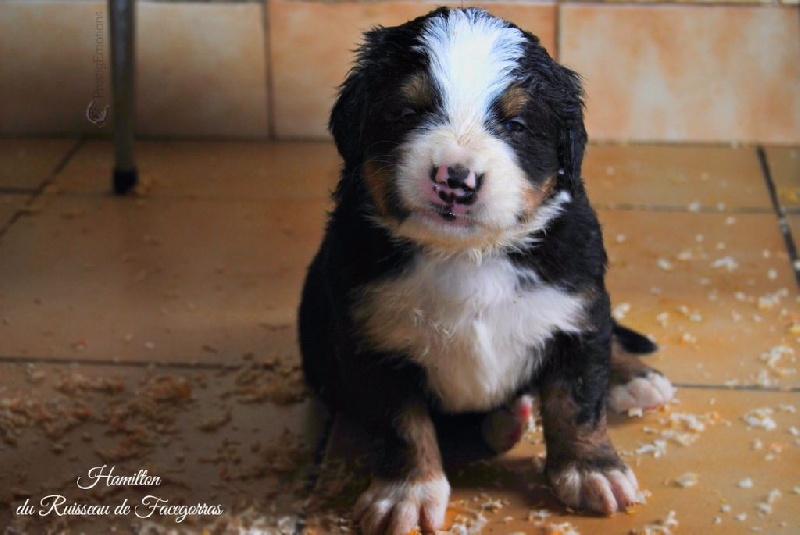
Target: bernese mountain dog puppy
[{"x": 462, "y": 270}]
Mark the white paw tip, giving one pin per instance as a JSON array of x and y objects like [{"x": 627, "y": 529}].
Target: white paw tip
[
  {"x": 605, "y": 492},
  {"x": 397, "y": 507},
  {"x": 647, "y": 392}
]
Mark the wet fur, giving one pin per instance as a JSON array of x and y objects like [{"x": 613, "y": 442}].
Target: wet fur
[{"x": 359, "y": 364}]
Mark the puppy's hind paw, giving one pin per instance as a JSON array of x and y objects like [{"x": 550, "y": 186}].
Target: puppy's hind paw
[
  {"x": 396, "y": 507},
  {"x": 503, "y": 428},
  {"x": 647, "y": 392},
  {"x": 605, "y": 491}
]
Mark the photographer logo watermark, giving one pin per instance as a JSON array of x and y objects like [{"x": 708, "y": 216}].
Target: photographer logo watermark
[{"x": 97, "y": 110}]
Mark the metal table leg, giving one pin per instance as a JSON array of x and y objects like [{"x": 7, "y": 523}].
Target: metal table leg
[{"x": 123, "y": 64}]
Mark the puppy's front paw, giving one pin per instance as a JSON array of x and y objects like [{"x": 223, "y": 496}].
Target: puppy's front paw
[
  {"x": 396, "y": 507},
  {"x": 600, "y": 490},
  {"x": 647, "y": 392}
]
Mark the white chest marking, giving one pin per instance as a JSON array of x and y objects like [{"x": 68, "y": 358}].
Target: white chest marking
[{"x": 469, "y": 324}]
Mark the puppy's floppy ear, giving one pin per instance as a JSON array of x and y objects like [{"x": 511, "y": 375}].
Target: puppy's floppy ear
[
  {"x": 572, "y": 143},
  {"x": 347, "y": 116},
  {"x": 349, "y": 113},
  {"x": 562, "y": 92},
  {"x": 572, "y": 135},
  {"x": 381, "y": 49}
]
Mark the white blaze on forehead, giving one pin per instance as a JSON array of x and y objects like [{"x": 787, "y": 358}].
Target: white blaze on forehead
[{"x": 472, "y": 56}]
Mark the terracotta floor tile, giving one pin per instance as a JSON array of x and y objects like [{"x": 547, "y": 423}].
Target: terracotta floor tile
[
  {"x": 794, "y": 225},
  {"x": 784, "y": 165},
  {"x": 155, "y": 279},
  {"x": 205, "y": 267},
  {"x": 715, "y": 306},
  {"x": 721, "y": 455},
  {"x": 680, "y": 176},
  {"x": 26, "y": 163},
  {"x": 229, "y": 170},
  {"x": 239, "y": 438}
]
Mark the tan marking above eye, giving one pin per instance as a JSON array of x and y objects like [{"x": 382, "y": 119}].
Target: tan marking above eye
[
  {"x": 419, "y": 91},
  {"x": 513, "y": 101}
]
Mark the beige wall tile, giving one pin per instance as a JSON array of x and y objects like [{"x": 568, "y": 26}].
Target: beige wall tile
[
  {"x": 307, "y": 69},
  {"x": 687, "y": 72},
  {"x": 201, "y": 68},
  {"x": 47, "y": 67}
]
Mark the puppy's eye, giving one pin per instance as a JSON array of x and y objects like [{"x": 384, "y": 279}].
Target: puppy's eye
[
  {"x": 515, "y": 125},
  {"x": 407, "y": 113},
  {"x": 402, "y": 114}
]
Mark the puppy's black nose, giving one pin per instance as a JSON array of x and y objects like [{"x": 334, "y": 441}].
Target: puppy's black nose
[
  {"x": 456, "y": 177},
  {"x": 455, "y": 184}
]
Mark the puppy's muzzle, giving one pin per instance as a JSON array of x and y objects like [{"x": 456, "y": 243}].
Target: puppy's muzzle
[{"x": 455, "y": 184}]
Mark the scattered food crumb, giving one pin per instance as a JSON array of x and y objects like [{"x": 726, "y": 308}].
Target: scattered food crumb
[
  {"x": 726, "y": 262},
  {"x": 621, "y": 310},
  {"x": 760, "y": 418},
  {"x": 664, "y": 264},
  {"x": 661, "y": 527},
  {"x": 689, "y": 479}
]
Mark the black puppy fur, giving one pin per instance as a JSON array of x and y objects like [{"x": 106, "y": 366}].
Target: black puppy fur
[{"x": 376, "y": 387}]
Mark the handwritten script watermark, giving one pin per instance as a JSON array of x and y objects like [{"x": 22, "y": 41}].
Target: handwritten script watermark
[
  {"x": 96, "y": 113},
  {"x": 148, "y": 507}
]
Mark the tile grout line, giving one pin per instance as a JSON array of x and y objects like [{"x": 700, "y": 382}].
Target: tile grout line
[
  {"x": 706, "y": 209},
  {"x": 178, "y": 365},
  {"x": 12, "y": 190},
  {"x": 36, "y": 193},
  {"x": 786, "y": 231},
  {"x": 739, "y": 387},
  {"x": 201, "y": 366}
]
